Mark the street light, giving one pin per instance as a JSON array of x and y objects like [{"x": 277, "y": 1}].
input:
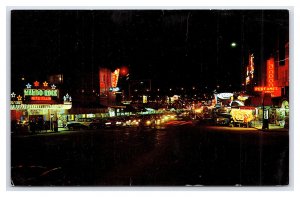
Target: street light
[{"x": 233, "y": 44}]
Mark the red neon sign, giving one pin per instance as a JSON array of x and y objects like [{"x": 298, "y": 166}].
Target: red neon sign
[
  {"x": 270, "y": 88},
  {"x": 265, "y": 89},
  {"x": 275, "y": 91},
  {"x": 250, "y": 69},
  {"x": 36, "y": 83},
  {"x": 41, "y": 98},
  {"x": 270, "y": 72},
  {"x": 114, "y": 78}
]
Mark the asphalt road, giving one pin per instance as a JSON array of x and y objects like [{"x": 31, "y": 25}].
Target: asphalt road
[{"x": 180, "y": 154}]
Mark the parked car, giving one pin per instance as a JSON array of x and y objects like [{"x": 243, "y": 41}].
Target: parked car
[
  {"x": 75, "y": 126},
  {"x": 85, "y": 121},
  {"x": 222, "y": 119}
]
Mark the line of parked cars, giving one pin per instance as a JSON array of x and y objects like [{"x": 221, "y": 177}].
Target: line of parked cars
[{"x": 140, "y": 121}]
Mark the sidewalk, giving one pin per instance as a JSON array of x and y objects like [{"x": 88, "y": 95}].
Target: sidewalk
[
  {"x": 58, "y": 130},
  {"x": 51, "y": 131},
  {"x": 26, "y": 133},
  {"x": 62, "y": 129},
  {"x": 271, "y": 127}
]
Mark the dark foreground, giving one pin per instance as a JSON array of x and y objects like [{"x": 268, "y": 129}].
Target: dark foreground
[{"x": 178, "y": 155}]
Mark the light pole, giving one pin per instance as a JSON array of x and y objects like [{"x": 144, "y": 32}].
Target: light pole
[{"x": 265, "y": 124}]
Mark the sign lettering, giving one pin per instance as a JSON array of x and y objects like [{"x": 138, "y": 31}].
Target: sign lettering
[
  {"x": 270, "y": 71},
  {"x": 41, "y": 98},
  {"x": 39, "y": 92},
  {"x": 114, "y": 78}
]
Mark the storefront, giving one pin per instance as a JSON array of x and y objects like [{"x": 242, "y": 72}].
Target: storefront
[{"x": 41, "y": 106}]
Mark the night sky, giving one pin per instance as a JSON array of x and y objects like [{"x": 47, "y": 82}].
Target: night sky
[{"x": 172, "y": 47}]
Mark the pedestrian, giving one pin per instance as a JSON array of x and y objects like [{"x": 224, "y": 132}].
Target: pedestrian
[
  {"x": 40, "y": 124},
  {"x": 55, "y": 126},
  {"x": 32, "y": 126}
]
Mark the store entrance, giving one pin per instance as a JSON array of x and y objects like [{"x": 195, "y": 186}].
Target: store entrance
[{"x": 37, "y": 123}]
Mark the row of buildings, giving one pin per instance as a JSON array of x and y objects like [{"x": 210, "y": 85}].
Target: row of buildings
[{"x": 98, "y": 93}]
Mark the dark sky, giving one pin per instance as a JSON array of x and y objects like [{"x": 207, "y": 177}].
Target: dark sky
[{"x": 171, "y": 47}]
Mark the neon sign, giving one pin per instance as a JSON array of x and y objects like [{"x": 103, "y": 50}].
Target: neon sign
[
  {"x": 41, "y": 98},
  {"x": 270, "y": 88},
  {"x": 224, "y": 95},
  {"x": 19, "y": 98},
  {"x": 275, "y": 91},
  {"x": 45, "y": 84},
  {"x": 270, "y": 72},
  {"x": 265, "y": 89},
  {"x": 40, "y": 92},
  {"x": 115, "y": 77},
  {"x": 250, "y": 70},
  {"x": 28, "y": 86},
  {"x": 36, "y": 83},
  {"x": 116, "y": 89}
]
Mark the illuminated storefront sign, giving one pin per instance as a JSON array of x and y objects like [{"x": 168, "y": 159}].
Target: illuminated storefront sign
[
  {"x": 271, "y": 86},
  {"x": 40, "y": 92},
  {"x": 270, "y": 72},
  {"x": 114, "y": 78},
  {"x": 116, "y": 89},
  {"x": 224, "y": 95},
  {"x": 250, "y": 70},
  {"x": 265, "y": 89},
  {"x": 40, "y": 106},
  {"x": 275, "y": 91},
  {"x": 40, "y": 98}
]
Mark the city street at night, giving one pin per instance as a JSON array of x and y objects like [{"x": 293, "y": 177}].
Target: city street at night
[
  {"x": 181, "y": 154},
  {"x": 150, "y": 97}
]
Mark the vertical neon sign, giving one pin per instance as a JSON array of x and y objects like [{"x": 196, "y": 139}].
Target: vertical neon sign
[
  {"x": 270, "y": 72},
  {"x": 114, "y": 78},
  {"x": 250, "y": 70}
]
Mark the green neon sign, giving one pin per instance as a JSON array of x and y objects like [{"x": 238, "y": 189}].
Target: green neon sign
[{"x": 39, "y": 92}]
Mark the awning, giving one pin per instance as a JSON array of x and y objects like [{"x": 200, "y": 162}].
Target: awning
[
  {"x": 236, "y": 103},
  {"x": 40, "y": 106}
]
